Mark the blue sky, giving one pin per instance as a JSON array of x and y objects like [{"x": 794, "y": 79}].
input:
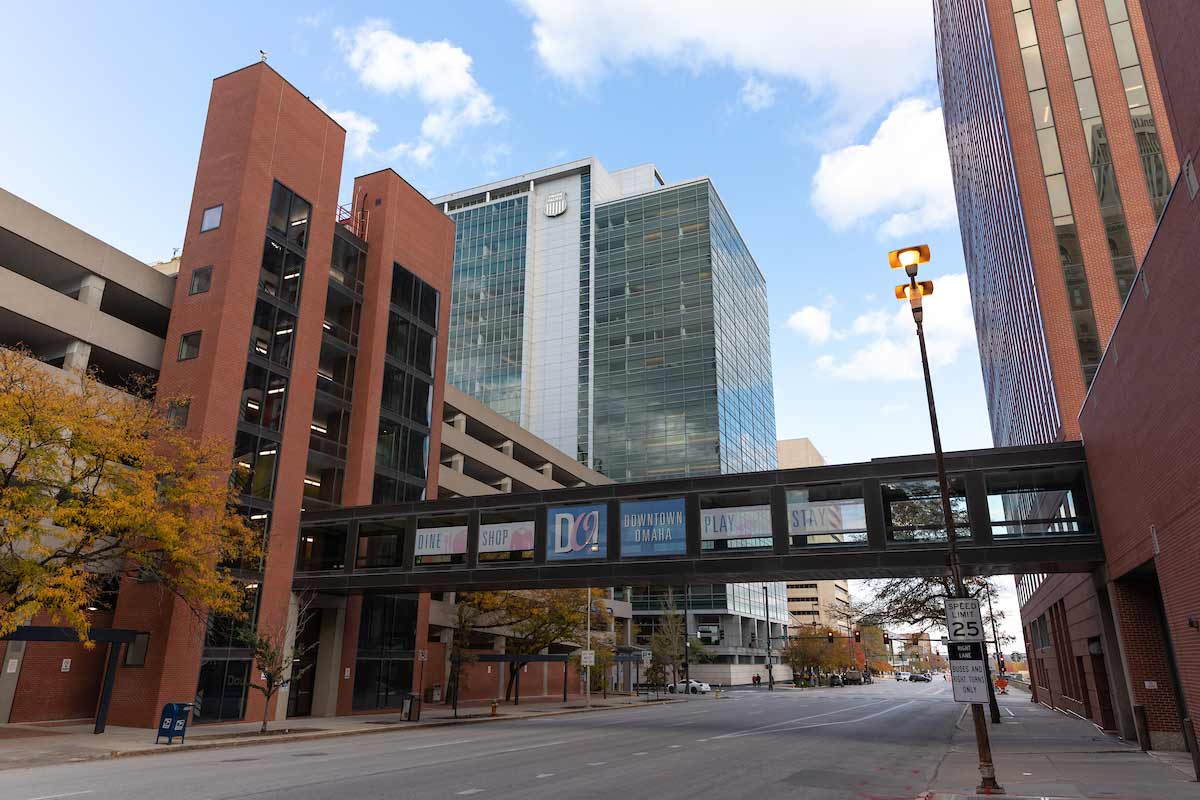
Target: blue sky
[
  {"x": 818, "y": 122},
  {"x": 818, "y": 125}
]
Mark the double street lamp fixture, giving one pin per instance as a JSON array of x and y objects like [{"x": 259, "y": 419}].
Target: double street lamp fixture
[{"x": 910, "y": 259}]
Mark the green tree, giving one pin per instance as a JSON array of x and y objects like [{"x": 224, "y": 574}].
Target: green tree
[{"x": 97, "y": 485}]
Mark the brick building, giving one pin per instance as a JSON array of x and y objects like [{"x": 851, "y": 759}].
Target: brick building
[
  {"x": 1148, "y": 496},
  {"x": 1063, "y": 155},
  {"x": 311, "y": 338}
]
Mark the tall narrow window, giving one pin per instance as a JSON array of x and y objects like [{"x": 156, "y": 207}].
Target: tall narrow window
[{"x": 201, "y": 280}]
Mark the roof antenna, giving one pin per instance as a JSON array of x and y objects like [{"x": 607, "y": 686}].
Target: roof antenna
[{"x": 263, "y": 53}]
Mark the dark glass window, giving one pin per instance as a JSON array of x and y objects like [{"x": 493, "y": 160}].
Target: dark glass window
[
  {"x": 272, "y": 333},
  {"x": 386, "y": 642},
  {"x": 221, "y": 692},
  {"x": 177, "y": 413},
  {"x": 322, "y": 548},
  {"x": 289, "y": 215},
  {"x": 201, "y": 280},
  {"x": 135, "y": 651},
  {"x": 255, "y": 458},
  {"x": 263, "y": 396},
  {"x": 189, "y": 345},
  {"x": 281, "y": 272},
  {"x": 380, "y": 544}
]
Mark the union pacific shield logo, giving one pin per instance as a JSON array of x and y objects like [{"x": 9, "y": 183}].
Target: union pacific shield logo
[{"x": 556, "y": 203}]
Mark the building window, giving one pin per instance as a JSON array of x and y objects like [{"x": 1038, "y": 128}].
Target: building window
[
  {"x": 201, "y": 280},
  {"x": 135, "y": 651},
  {"x": 177, "y": 414},
  {"x": 211, "y": 219},
  {"x": 189, "y": 345}
]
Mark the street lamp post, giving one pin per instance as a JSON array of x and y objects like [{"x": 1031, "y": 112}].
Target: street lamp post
[
  {"x": 908, "y": 259},
  {"x": 767, "y": 614}
]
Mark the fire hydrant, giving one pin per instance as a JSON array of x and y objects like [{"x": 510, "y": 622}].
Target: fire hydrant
[{"x": 494, "y": 706}]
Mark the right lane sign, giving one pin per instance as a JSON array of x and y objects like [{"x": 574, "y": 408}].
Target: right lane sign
[{"x": 967, "y": 673}]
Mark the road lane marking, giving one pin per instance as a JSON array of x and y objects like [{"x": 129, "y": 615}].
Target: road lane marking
[
  {"x": 642, "y": 753},
  {"x": 1009, "y": 710},
  {"x": 597, "y": 763},
  {"x": 545, "y": 775},
  {"x": 837, "y": 722},
  {"x": 67, "y": 794},
  {"x": 798, "y": 719},
  {"x": 439, "y": 744},
  {"x": 676, "y": 746},
  {"x": 469, "y": 791}
]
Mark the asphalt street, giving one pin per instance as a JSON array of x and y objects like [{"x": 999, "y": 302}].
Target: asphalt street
[{"x": 874, "y": 742}]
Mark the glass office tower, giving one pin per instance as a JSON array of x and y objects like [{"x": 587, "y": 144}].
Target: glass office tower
[{"x": 681, "y": 346}]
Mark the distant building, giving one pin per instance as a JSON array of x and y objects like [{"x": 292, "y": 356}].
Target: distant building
[
  {"x": 825, "y": 603},
  {"x": 624, "y": 320}
]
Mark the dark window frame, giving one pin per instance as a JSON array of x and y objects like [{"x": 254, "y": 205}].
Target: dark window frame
[
  {"x": 200, "y": 273},
  {"x": 183, "y": 340},
  {"x": 220, "y": 209}
]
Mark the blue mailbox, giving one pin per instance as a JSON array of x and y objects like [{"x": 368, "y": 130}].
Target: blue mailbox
[{"x": 173, "y": 722}]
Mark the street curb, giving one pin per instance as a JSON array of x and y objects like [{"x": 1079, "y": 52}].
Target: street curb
[{"x": 318, "y": 735}]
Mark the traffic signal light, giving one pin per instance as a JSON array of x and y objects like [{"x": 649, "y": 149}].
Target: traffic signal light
[
  {"x": 830, "y": 637},
  {"x": 886, "y": 638},
  {"x": 858, "y": 636}
]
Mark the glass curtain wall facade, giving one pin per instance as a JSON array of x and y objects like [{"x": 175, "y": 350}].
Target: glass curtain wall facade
[
  {"x": 1022, "y": 404},
  {"x": 488, "y": 303},
  {"x": 680, "y": 387}
]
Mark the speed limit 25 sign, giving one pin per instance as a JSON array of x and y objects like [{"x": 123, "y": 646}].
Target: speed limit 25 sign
[{"x": 963, "y": 621}]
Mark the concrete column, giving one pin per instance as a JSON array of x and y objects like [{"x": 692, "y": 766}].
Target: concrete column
[
  {"x": 457, "y": 463},
  {"x": 459, "y": 422},
  {"x": 91, "y": 290},
  {"x": 289, "y": 647},
  {"x": 328, "y": 676},
  {"x": 504, "y": 485},
  {"x": 77, "y": 356},
  {"x": 547, "y": 470},
  {"x": 10, "y": 673}
]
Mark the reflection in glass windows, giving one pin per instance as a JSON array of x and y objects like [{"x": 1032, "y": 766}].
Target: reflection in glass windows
[
  {"x": 383, "y": 671},
  {"x": 1051, "y": 501},
  {"x": 830, "y": 513},
  {"x": 488, "y": 303},
  {"x": 406, "y": 406},
  {"x": 263, "y": 396},
  {"x": 913, "y": 510},
  {"x": 681, "y": 351}
]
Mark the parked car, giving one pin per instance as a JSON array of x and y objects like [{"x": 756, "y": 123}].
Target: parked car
[
  {"x": 904, "y": 676},
  {"x": 689, "y": 687},
  {"x": 921, "y": 676},
  {"x": 836, "y": 680},
  {"x": 854, "y": 677}
]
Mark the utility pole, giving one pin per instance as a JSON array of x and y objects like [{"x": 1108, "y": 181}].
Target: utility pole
[{"x": 914, "y": 292}]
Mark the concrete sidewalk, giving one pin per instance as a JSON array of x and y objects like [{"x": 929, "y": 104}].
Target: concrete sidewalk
[
  {"x": 1046, "y": 754},
  {"x": 38, "y": 744}
]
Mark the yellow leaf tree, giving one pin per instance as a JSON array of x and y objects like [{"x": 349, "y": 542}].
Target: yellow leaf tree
[{"x": 95, "y": 484}]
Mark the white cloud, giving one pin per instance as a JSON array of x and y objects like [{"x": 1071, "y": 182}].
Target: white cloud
[
  {"x": 893, "y": 352},
  {"x": 858, "y": 56},
  {"x": 756, "y": 95},
  {"x": 361, "y": 129},
  {"x": 812, "y": 322},
  {"x": 494, "y": 153},
  {"x": 901, "y": 176},
  {"x": 437, "y": 73}
]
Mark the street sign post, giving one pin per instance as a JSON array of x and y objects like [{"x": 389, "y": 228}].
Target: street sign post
[
  {"x": 647, "y": 657},
  {"x": 587, "y": 658},
  {"x": 967, "y": 673}
]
